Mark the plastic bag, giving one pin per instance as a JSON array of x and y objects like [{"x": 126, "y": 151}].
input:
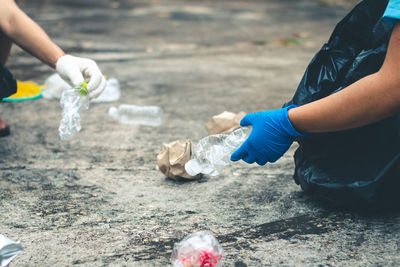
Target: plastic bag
[
  {"x": 348, "y": 166},
  {"x": 72, "y": 101},
  {"x": 9, "y": 249},
  {"x": 200, "y": 249}
]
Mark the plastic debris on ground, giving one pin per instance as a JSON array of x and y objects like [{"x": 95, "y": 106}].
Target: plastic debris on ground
[
  {"x": 72, "y": 102},
  {"x": 55, "y": 85},
  {"x": 9, "y": 249},
  {"x": 26, "y": 90},
  {"x": 139, "y": 115},
  {"x": 172, "y": 159},
  {"x": 112, "y": 92},
  {"x": 212, "y": 153},
  {"x": 200, "y": 249}
]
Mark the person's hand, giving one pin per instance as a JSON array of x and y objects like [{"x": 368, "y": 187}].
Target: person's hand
[
  {"x": 76, "y": 70},
  {"x": 270, "y": 138}
]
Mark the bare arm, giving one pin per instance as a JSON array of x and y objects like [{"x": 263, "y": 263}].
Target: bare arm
[
  {"x": 27, "y": 34},
  {"x": 366, "y": 101}
]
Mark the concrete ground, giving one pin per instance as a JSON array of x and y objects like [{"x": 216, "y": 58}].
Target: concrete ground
[{"x": 99, "y": 200}]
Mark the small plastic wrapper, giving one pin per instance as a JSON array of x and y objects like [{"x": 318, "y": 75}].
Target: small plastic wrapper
[
  {"x": 172, "y": 159},
  {"x": 72, "y": 102},
  {"x": 9, "y": 249},
  {"x": 224, "y": 123},
  {"x": 200, "y": 249}
]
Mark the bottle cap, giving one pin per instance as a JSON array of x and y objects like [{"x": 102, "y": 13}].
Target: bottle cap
[
  {"x": 192, "y": 167},
  {"x": 82, "y": 89}
]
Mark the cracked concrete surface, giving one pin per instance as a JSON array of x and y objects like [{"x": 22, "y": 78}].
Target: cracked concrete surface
[{"x": 99, "y": 200}]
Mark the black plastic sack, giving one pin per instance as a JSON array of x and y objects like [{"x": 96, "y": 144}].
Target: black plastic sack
[{"x": 348, "y": 166}]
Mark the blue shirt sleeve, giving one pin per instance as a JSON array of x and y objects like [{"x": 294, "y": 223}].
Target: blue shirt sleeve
[{"x": 392, "y": 12}]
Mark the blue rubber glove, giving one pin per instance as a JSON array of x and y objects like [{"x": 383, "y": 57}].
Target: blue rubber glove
[{"x": 270, "y": 138}]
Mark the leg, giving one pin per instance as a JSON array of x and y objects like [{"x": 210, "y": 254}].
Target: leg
[
  {"x": 388, "y": 191},
  {"x": 5, "y": 47}
]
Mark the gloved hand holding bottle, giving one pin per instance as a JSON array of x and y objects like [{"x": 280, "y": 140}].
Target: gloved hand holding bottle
[
  {"x": 76, "y": 70},
  {"x": 17, "y": 27},
  {"x": 270, "y": 138}
]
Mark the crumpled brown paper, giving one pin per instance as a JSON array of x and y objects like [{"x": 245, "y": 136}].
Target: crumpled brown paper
[
  {"x": 172, "y": 159},
  {"x": 224, "y": 123}
]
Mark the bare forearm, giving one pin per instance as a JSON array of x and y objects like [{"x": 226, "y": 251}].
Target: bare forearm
[
  {"x": 29, "y": 35},
  {"x": 366, "y": 101}
]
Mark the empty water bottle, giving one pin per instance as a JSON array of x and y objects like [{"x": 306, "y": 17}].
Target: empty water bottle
[
  {"x": 141, "y": 115},
  {"x": 212, "y": 153},
  {"x": 112, "y": 92},
  {"x": 72, "y": 101}
]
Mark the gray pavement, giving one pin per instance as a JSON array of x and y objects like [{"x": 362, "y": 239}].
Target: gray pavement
[{"x": 99, "y": 200}]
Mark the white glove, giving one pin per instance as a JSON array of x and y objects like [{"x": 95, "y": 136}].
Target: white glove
[{"x": 76, "y": 70}]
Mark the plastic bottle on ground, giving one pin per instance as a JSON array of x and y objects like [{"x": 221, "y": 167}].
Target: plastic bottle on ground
[
  {"x": 141, "y": 115},
  {"x": 112, "y": 92},
  {"x": 54, "y": 86},
  {"x": 212, "y": 153}
]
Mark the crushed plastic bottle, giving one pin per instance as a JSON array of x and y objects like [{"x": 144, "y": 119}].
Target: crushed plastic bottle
[
  {"x": 212, "y": 153},
  {"x": 72, "y": 101},
  {"x": 9, "y": 249},
  {"x": 200, "y": 249},
  {"x": 141, "y": 115}
]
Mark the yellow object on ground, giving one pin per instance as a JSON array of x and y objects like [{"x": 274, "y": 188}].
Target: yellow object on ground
[{"x": 27, "y": 90}]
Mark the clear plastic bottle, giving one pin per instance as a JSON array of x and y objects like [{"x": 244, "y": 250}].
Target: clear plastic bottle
[
  {"x": 132, "y": 114},
  {"x": 72, "y": 102},
  {"x": 212, "y": 153},
  {"x": 112, "y": 92}
]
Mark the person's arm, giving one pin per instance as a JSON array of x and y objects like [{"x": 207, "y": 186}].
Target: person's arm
[
  {"x": 31, "y": 37},
  {"x": 368, "y": 100},
  {"x": 27, "y": 34}
]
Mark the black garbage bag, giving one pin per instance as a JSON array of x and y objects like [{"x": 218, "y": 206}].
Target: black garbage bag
[{"x": 349, "y": 166}]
